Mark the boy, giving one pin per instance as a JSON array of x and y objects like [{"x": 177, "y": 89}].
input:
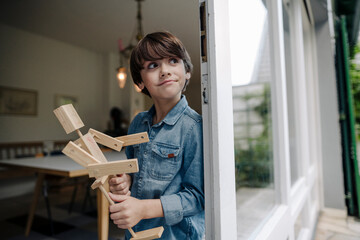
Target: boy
[{"x": 168, "y": 190}]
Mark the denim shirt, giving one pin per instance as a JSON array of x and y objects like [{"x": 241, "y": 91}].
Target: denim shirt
[{"x": 171, "y": 169}]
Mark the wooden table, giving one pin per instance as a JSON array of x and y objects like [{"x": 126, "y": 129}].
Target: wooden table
[{"x": 62, "y": 165}]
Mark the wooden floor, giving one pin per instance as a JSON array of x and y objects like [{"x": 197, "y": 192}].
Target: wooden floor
[
  {"x": 79, "y": 224},
  {"x": 334, "y": 224}
]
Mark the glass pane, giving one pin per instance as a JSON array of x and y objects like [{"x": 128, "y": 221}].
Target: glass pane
[
  {"x": 251, "y": 77},
  {"x": 290, "y": 94}
]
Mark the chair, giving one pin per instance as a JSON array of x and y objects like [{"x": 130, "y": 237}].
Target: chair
[
  {"x": 21, "y": 149},
  {"x": 51, "y": 183}
]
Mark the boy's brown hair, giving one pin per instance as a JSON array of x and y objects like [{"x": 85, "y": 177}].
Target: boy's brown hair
[{"x": 155, "y": 46}]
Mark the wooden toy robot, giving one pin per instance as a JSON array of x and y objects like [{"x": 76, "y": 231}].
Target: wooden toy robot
[{"x": 86, "y": 152}]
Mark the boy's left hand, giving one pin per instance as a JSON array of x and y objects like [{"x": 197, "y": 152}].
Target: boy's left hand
[
  {"x": 127, "y": 212},
  {"x": 120, "y": 184}
]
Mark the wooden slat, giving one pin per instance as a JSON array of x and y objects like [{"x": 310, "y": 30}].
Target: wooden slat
[
  {"x": 69, "y": 118},
  {"x": 79, "y": 155},
  {"x": 106, "y": 140},
  {"x": 136, "y": 138},
  {"x": 92, "y": 147},
  {"x": 99, "y": 181},
  {"x": 153, "y": 233},
  {"x": 113, "y": 168}
]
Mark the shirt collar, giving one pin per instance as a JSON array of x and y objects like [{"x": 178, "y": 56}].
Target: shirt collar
[{"x": 172, "y": 117}]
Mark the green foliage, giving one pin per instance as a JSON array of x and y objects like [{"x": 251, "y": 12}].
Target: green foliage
[
  {"x": 253, "y": 165},
  {"x": 355, "y": 82}
]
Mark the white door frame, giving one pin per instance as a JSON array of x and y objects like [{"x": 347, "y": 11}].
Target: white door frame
[
  {"x": 220, "y": 200},
  {"x": 217, "y": 109}
]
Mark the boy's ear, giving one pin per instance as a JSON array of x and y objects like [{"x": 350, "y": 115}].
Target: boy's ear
[
  {"x": 141, "y": 85},
  {"x": 188, "y": 75}
]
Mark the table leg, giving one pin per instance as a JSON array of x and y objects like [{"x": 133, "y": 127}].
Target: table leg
[
  {"x": 103, "y": 214},
  {"x": 39, "y": 183}
]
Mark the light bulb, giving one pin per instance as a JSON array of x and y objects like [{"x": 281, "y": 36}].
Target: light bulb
[{"x": 121, "y": 77}]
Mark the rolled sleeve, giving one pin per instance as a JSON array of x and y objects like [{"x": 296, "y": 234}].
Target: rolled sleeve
[{"x": 172, "y": 207}]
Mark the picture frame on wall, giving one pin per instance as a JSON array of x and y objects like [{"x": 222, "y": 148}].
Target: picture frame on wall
[
  {"x": 61, "y": 99},
  {"x": 17, "y": 101}
]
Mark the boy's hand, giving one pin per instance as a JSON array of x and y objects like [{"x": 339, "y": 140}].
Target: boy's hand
[
  {"x": 120, "y": 184},
  {"x": 127, "y": 212}
]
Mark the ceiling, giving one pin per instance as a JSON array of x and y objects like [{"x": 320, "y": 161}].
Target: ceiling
[{"x": 98, "y": 24}]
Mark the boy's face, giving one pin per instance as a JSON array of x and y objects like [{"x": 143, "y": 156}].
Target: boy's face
[{"x": 164, "y": 78}]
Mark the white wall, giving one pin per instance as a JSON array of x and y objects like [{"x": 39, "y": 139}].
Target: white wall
[
  {"x": 50, "y": 67},
  {"x": 333, "y": 180}
]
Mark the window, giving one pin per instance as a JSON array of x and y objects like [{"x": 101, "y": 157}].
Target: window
[{"x": 251, "y": 79}]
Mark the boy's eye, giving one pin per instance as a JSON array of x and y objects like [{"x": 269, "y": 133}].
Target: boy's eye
[
  {"x": 152, "y": 65},
  {"x": 174, "y": 60}
]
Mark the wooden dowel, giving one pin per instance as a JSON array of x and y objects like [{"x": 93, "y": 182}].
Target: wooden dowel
[
  {"x": 79, "y": 133},
  {"x": 132, "y": 232},
  {"x": 102, "y": 189}
]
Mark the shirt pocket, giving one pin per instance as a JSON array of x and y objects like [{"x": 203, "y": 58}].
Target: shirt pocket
[{"x": 165, "y": 161}]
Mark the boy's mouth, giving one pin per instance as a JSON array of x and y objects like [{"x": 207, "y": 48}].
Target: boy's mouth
[{"x": 166, "y": 82}]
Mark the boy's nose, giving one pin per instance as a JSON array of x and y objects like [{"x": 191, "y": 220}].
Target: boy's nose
[
  {"x": 164, "y": 74},
  {"x": 164, "y": 71}
]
